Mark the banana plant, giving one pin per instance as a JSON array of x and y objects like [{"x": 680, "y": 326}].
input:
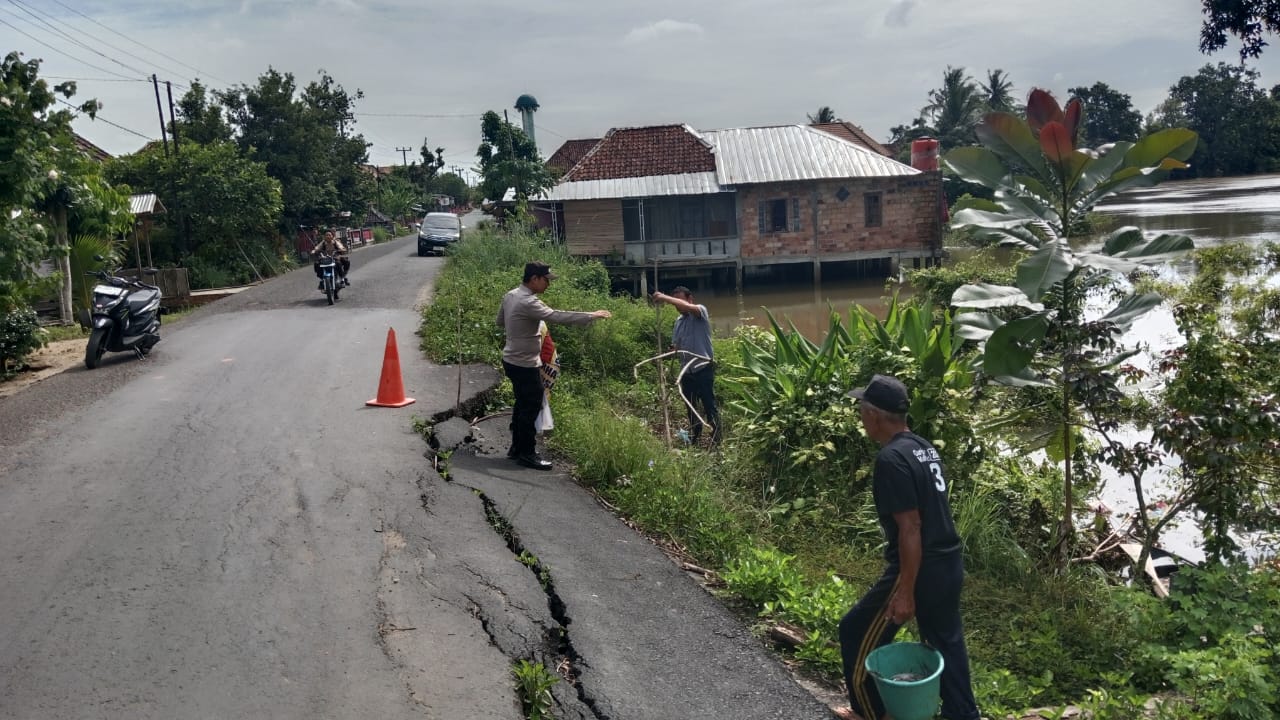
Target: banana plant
[
  {"x": 84, "y": 251},
  {"x": 1034, "y": 333}
]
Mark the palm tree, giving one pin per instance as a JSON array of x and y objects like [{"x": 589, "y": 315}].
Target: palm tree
[
  {"x": 954, "y": 109},
  {"x": 999, "y": 90},
  {"x": 824, "y": 115}
]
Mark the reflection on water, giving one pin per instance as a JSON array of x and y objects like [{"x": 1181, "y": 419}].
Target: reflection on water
[
  {"x": 1212, "y": 212},
  {"x": 806, "y": 306}
]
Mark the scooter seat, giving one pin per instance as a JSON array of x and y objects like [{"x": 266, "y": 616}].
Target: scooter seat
[{"x": 139, "y": 299}]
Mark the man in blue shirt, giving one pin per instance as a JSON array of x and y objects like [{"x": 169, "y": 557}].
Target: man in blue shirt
[
  {"x": 692, "y": 339},
  {"x": 924, "y": 568}
]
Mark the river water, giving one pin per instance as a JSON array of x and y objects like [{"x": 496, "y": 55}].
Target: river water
[{"x": 1212, "y": 212}]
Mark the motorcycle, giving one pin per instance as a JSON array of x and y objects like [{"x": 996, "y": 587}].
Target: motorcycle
[
  {"x": 330, "y": 283},
  {"x": 125, "y": 316}
]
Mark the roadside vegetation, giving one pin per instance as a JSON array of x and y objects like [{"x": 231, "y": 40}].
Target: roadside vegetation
[
  {"x": 1021, "y": 378},
  {"x": 782, "y": 512}
]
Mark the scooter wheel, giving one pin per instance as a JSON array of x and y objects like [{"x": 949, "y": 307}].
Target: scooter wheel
[{"x": 97, "y": 346}]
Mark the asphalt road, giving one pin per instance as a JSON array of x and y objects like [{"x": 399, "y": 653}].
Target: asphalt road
[{"x": 226, "y": 530}]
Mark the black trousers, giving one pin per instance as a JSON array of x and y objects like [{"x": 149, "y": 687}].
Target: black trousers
[
  {"x": 527, "y": 384},
  {"x": 867, "y": 627},
  {"x": 699, "y": 387}
]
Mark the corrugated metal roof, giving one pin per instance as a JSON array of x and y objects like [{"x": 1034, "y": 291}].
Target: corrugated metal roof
[
  {"x": 743, "y": 156},
  {"x": 648, "y": 186},
  {"x": 145, "y": 204},
  {"x": 794, "y": 152}
]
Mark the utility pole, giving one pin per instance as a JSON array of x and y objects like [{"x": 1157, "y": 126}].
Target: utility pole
[
  {"x": 173, "y": 124},
  {"x": 184, "y": 226},
  {"x": 163, "y": 137},
  {"x": 404, "y": 155}
]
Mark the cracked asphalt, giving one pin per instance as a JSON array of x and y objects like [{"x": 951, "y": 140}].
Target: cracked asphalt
[{"x": 226, "y": 530}]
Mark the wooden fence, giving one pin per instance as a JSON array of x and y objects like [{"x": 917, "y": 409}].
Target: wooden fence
[{"x": 174, "y": 284}]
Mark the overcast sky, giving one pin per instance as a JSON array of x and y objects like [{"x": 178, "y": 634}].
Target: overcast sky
[{"x": 431, "y": 68}]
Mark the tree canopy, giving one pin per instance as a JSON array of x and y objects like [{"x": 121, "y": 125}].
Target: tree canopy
[
  {"x": 1108, "y": 115},
  {"x": 1246, "y": 20},
  {"x": 33, "y": 135},
  {"x": 200, "y": 117},
  {"x": 231, "y": 205},
  {"x": 999, "y": 91},
  {"x": 509, "y": 159},
  {"x": 954, "y": 109},
  {"x": 302, "y": 138},
  {"x": 1238, "y": 123},
  {"x": 824, "y": 115}
]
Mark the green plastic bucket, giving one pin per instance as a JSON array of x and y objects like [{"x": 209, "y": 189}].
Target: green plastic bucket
[{"x": 914, "y": 694}]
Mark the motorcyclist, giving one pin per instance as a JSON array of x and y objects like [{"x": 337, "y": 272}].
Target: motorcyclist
[{"x": 334, "y": 248}]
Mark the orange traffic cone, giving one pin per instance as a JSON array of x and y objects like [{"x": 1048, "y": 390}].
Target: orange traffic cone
[{"x": 390, "y": 387}]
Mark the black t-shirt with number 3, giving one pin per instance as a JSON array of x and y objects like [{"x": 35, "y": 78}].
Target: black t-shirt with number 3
[{"x": 909, "y": 476}]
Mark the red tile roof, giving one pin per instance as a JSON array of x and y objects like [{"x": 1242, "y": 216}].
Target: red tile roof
[
  {"x": 88, "y": 148},
  {"x": 643, "y": 152},
  {"x": 853, "y": 134},
  {"x": 570, "y": 153}
]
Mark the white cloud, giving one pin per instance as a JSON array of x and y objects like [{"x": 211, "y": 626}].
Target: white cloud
[{"x": 651, "y": 31}]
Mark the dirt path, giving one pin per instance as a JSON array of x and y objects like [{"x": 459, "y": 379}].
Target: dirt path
[{"x": 46, "y": 362}]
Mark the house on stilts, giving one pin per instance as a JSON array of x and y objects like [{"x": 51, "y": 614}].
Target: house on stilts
[{"x": 715, "y": 206}]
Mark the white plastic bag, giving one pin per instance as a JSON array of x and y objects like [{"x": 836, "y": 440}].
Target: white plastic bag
[{"x": 544, "y": 422}]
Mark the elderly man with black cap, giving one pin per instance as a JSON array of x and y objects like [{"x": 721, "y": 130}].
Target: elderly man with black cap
[
  {"x": 924, "y": 565},
  {"x": 519, "y": 316}
]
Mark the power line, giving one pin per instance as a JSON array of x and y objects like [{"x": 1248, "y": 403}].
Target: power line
[
  {"x": 80, "y": 79},
  {"x": 73, "y": 57},
  {"x": 97, "y": 117},
  {"x": 544, "y": 128},
  {"x": 18, "y": 4},
  {"x": 135, "y": 42},
  {"x": 420, "y": 115},
  {"x": 104, "y": 42}
]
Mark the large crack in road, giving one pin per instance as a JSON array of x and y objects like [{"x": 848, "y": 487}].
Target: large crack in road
[{"x": 565, "y": 659}]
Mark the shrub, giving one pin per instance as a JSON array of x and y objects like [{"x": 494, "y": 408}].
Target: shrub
[
  {"x": 763, "y": 576},
  {"x": 1215, "y": 641},
  {"x": 20, "y": 335},
  {"x": 380, "y": 235}
]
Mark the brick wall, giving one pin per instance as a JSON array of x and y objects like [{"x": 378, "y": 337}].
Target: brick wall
[
  {"x": 593, "y": 227},
  {"x": 909, "y": 217}
]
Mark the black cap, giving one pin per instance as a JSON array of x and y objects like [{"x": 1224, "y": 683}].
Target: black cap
[
  {"x": 886, "y": 393},
  {"x": 537, "y": 269}
]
